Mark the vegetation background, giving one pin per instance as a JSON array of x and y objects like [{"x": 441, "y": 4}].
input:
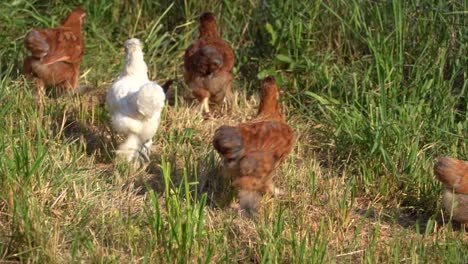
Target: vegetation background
[{"x": 374, "y": 89}]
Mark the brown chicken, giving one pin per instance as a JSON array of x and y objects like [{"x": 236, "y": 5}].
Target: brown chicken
[
  {"x": 208, "y": 65},
  {"x": 453, "y": 173},
  {"x": 55, "y": 55},
  {"x": 252, "y": 151}
]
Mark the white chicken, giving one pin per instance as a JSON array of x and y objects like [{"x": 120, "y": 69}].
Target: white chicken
[{"x": 135, "y": 104}]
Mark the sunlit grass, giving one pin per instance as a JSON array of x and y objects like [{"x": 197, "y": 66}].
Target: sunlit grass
[{"x": 375, "y": 91}]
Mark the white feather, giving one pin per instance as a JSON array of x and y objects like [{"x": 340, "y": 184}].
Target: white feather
[{"x": 135, "y": 102}]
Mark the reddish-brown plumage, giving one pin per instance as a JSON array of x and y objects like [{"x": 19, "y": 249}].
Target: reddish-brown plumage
[
  {"x": 56, "y": 54},
  {"x": 269, "y": 107},
  {"x": 208, "y": 65},
  {"x": 453, "y": 173},
  {"x": 252, "y": 151}
]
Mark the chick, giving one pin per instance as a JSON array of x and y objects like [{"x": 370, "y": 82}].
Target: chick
[
  {"x": 453, "y": 173},
  {"x": 135, "y": 104},
  {"x": 208, "y": 65},
  {"x": 56, "y": 55},
  {"x": 251, "y": 151}
]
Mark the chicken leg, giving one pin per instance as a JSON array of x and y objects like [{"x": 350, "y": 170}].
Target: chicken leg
[{"x": 206, "y": 109}]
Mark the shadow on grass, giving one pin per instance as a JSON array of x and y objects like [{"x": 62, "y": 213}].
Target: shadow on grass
[
  {"x": 411, "y": 219},
  {"x": 98, "y": 141},
  {"x": 83, "y": 119},
  {"x": 204, "y": 178}
]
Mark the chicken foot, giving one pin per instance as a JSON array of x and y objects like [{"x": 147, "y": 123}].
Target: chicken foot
[
  {"x": 205, "y": 108},
  {"x": 132, "y": 150},
  {"x": 145, "y": 151}
]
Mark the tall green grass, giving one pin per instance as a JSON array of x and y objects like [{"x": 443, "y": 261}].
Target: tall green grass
[{"x": 375, "y": 91}]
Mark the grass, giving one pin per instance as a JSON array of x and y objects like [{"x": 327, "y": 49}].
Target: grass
[{"x": 375, "y": 91}]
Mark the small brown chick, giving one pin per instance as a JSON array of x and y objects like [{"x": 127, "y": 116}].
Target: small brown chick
[
  {"x": 252, "y": 151},
  {"x": 208, "y": 65},
  {"x": 453, "y": 173},
  {"x": 56, "y": 55}
]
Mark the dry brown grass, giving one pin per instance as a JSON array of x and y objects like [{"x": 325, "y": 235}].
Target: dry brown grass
[
  {"x": 321, "y": 204},
  {"x": 373, "y": 89}
]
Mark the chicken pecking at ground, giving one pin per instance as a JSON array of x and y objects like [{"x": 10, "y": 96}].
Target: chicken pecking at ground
[
  {"x": 252, "y": 151},
  {"x": 208, "y": 66},
  {"x": 135, "y": 104},
  {"x": 453, "y": 173},
  {"x": 56, "y": 55}
]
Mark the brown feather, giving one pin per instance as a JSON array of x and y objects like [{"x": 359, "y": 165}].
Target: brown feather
[
  {"x": 252, "y": 151},
  {"x": 453, "y": 173},
  {"x": 208, "y": 63},
  {"x": 56, "y": 53}
]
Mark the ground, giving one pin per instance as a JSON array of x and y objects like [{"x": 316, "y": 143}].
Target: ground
[{"x": 374, "y": 91}]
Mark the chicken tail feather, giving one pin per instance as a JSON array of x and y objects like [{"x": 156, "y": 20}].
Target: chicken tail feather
[
  {"x": 149, "y": 99},
  {"x": 209, "y": 60},
  {"x": 36, "y": 42},
  {"x": 228, "y": 142},
  {"x": 453, "y": 173}
]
